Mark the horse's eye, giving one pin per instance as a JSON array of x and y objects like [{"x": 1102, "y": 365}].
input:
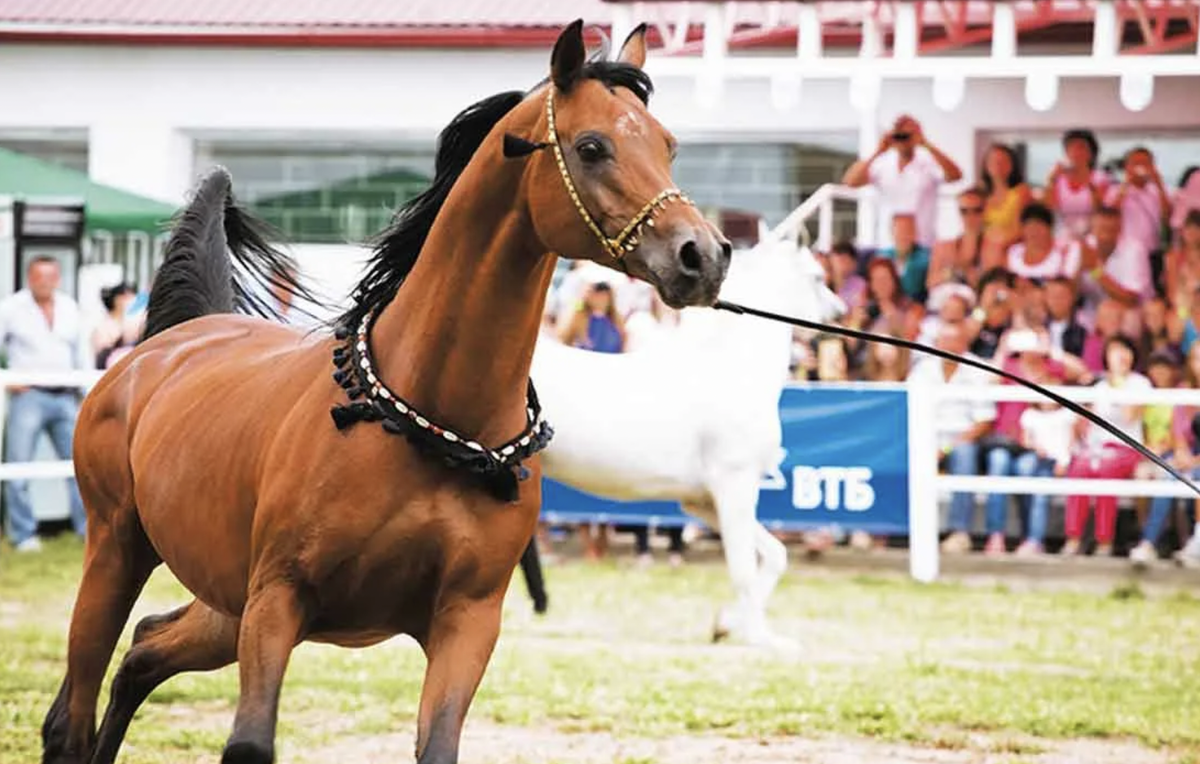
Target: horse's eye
[{"x": 590, "y": 150}]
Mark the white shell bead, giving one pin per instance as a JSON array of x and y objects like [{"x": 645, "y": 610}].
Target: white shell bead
[{"x": 449, "y": 436}]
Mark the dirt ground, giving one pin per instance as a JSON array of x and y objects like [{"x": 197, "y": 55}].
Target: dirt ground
[{"x": 489, "y": 744}]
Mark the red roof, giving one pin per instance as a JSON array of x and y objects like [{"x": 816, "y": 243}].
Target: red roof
[{"x": 436, "y": 22}]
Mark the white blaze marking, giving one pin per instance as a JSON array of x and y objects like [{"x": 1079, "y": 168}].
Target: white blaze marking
[{"x": 630, "y": 125}]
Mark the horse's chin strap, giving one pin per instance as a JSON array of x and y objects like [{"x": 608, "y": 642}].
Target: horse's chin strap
[
  {"x": 630, "y": 236},
  {"x": 870, "y": 337}
]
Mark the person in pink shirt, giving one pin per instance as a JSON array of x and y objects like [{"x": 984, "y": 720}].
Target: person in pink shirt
[
  {"x": 1142, "y": 199},
  {"x": 1114, "y": 265},
  {"x": 1075, "y": 187},
  {"x": 1102, "y": 455}
]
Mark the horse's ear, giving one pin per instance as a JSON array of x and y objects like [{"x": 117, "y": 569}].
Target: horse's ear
[
  {"x": 633, "y": 50},
  {"x": 566, "y": 62}
]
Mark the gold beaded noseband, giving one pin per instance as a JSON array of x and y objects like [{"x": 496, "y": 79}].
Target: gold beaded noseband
[{"x": 629, "y": 237}]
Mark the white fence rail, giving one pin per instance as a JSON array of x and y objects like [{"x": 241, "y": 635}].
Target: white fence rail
[
  {"x": 17, "y": 379},
  {"x": 924, "y": 484}
]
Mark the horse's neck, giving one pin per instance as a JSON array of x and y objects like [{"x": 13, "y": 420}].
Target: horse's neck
[
  {"x": 457, "y": 341},
  {"x": 747, "y": 350}
]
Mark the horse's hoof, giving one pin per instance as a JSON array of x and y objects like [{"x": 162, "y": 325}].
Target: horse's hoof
[
  {"x": 247, "y": 752},
  {"x": 720, "y": 630}
]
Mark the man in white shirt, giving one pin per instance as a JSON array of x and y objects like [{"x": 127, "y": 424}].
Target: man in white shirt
[
  {"x": 1113, "y": 265},
  {"x": 907, "y": 171},
  {"x": 960, "y": 424},
  {"x": 40, "y": 330}
]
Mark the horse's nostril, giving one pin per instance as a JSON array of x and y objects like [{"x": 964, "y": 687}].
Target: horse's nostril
[
  {"x": 689, "y": 258},
  {"x": 727, "y": 250}
]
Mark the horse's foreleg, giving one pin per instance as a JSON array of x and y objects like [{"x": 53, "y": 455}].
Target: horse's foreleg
[
  {"x": 117, "y": 561},
  {"x": 273, "y": 622},
  {"x": 460, "y": 643},
  {"x": 734, "y": 498},
  {"x": 192, "y": 638}
]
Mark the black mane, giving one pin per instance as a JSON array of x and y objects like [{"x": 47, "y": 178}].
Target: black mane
[{"x": 397, "y": 247}]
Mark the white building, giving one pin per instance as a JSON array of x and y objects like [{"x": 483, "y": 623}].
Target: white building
[{"x": 770, "y": 99}]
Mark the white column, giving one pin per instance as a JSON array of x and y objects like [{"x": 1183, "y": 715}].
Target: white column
[
  {"x": 1004, "y": 31},
  {"x": 622, "y": 25},
  {"x": 1105, "y": 40},
  {"x": 905, "y": 32},
  {"x": 808, "y": 38},
  {"x": 142, "y": 158},
  {"x": 866, "y": 232}
]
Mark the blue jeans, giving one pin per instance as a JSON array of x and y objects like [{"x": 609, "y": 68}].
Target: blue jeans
[
  {"x": 1029, "y": 464},
  {"x": 1160, "y": 508},
  {"x": 962, "y": 460},
  {"x": 31, "y": 413},
  {"x": 1000, "y": 463}
]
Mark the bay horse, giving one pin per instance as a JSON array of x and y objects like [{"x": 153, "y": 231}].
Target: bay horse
[
  {"x": 209, "y": 447},
  {"x": 706, "y": 395}
]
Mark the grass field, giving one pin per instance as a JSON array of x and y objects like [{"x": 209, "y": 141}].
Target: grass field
[{"x": 621, "y": 671}]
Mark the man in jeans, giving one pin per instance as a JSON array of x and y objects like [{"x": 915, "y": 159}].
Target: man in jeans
[
  {"x": 40, "y": 330},
  {"x": 960, "y": 424}
]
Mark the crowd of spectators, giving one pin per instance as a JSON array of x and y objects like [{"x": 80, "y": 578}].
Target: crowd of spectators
[{"x": 1091, "y": 278}]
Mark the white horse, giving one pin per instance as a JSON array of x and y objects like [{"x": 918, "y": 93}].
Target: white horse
[{"x": 694, "y": 418}]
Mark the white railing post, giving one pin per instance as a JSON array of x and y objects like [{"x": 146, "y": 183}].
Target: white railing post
[
  {"x": 922, "y": 484},
  {"x": 825, "y": 224}
]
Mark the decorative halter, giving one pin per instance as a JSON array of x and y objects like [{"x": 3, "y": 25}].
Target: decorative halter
[
  {"x": 499, "y": 468},
  {"x": 629, "y": 237}
]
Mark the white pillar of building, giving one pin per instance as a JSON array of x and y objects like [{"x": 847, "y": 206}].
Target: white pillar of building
[{"x": 143, "y": 158}]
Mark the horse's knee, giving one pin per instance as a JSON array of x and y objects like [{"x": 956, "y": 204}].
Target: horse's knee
[
  {"x": 248, "y": 752},
  {"x": 774, "y": 557}
]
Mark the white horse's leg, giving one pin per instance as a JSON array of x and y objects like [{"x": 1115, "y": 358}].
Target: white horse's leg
[{"x": 744, "y": 538}]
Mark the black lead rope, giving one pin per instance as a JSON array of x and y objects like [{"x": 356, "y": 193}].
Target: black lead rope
[{"x": 869, "y": 337}]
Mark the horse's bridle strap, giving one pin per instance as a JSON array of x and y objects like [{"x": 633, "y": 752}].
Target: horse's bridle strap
[{"x": 630, "y": 236}]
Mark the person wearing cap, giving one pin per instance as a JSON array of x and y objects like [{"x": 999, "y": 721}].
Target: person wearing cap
[
  {"x": 1076, "y": 187},
  {"x": 949, "y": 303},
  {"x": 907, "y": 171},
  {"x": 1027, "y": 354}
]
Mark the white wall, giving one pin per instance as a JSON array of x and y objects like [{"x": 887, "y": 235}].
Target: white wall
[{"x": 141, "y": 105}]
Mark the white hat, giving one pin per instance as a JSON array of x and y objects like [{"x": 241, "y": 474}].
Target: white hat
[
  {"x": 944, "y": 291},
  {"x": 1026, "y": 341}
]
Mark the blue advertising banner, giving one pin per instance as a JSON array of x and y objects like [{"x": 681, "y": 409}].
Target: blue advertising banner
[{"x": 844, "y": 462}]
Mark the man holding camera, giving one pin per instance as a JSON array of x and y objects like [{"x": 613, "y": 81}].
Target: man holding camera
[{"x": 907, "y": 171}]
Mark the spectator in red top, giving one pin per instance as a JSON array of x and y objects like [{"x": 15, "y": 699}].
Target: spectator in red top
[{"x": 1025, "y": 353}]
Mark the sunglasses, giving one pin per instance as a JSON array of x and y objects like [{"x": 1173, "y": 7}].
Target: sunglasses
[
  {"x": 901, "y": 136},
  {"x": 970, "y": 210}
]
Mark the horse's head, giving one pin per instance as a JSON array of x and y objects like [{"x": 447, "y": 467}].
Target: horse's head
[
  {"x": 783, "y": 277},
  {"x": 601, "y": 188}
]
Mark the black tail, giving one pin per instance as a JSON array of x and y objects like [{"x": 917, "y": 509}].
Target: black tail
[{"x": 199, "y": 278}]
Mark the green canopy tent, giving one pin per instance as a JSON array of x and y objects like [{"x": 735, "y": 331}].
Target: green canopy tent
[{"x": 107, "y": 208}]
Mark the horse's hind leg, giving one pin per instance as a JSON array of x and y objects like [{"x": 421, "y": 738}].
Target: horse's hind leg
[
  {"x": 191, "y": 638},
  {"x": 117, "y": 561}
]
